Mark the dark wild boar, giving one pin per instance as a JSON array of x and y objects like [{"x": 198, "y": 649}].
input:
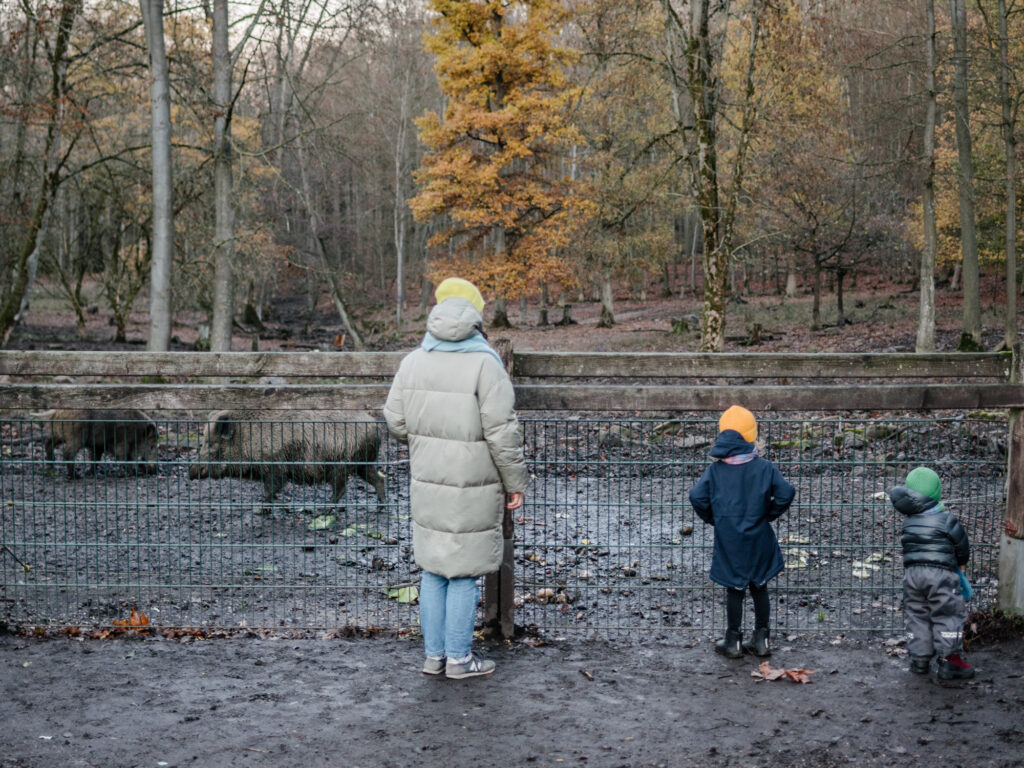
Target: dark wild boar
[
  {"x": 127, "y": 434},
  {"x": 306, "y": 447}
]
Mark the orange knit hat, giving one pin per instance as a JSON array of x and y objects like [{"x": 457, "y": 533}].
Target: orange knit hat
[{"x": 738, "y": 418}]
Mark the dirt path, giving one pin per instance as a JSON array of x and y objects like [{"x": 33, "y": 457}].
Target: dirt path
[{"x": 363, "y": 702}]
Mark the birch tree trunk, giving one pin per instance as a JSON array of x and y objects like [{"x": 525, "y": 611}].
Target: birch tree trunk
[
  {"x": 163, "y": 180},
  {"x": 224, "y": 213},
  {"x": 970, "y": 338},
  {"x": 926, "y": 319}
]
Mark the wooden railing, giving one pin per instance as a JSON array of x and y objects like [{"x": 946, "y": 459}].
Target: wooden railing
[{"x": 701, "y": 382}]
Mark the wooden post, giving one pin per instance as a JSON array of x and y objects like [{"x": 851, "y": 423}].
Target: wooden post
[
  {"x": 499, "y": 587},
  {"x": 1011, "y": 549}
]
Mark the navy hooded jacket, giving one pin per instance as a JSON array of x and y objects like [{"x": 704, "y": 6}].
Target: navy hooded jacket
[{"x": 740, "y": 501}]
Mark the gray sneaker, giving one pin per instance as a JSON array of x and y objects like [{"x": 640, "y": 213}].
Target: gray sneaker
[
  {"x": 475, "y": 667},
  {"x": 433, "y": 666}
]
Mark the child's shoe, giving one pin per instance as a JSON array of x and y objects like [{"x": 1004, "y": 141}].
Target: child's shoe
[
  {"x": 954, "y": 668},
  {"x": 919, "y": 665},
  {"x": 730, "y": 646},
  {"x": 758, "y": 644}
]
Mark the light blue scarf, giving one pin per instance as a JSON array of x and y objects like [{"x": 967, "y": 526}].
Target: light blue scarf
[{"x": 474, "y": 343}]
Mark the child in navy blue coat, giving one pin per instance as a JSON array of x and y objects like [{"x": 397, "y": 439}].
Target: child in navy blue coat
[{"x": 740, "y": 494}]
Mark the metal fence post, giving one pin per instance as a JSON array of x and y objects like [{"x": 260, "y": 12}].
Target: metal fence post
[
  {"x": 499, "y": 587},
  {"x": 1011, "y": 549}
]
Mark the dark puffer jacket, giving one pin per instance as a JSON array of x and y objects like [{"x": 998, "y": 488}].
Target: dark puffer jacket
[
  {"x": 741, "y": 501},
  {"x": 931, "y": 536}
]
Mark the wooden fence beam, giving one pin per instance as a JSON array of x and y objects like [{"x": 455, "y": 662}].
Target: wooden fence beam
[
  {"x": 176, "y": 365},
  {"x": 762, "y": 365},
  {"x": 536, "y": 397},
  {"x": 527, "y": 364}
]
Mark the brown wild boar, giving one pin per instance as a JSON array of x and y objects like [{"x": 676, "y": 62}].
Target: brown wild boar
[
  {"x": 127, "y": 434},
  {"x": 306, "y": 447}
]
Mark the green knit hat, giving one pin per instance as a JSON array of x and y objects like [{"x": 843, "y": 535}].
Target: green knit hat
[{"x": 924, "y": 480}]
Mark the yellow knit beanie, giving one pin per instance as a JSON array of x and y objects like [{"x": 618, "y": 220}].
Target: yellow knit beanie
[
  {"x": 456, "y": 287},
  {"x": 741, "y": 420}
]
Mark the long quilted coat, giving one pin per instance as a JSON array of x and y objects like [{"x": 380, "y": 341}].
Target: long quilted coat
[{"x": 455, "y": 410}]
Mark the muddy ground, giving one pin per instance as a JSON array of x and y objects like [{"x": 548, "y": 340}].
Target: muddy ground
[{"x": 359, "y": 702}]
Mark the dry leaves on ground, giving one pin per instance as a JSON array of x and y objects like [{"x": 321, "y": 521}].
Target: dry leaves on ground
[{"x": 767, "y": 672}]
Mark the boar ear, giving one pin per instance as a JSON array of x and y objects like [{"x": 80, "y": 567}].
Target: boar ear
[{"x": 223, "y": 425}]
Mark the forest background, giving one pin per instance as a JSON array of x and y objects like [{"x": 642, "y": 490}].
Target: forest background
[{"x": 212, "y": 162}]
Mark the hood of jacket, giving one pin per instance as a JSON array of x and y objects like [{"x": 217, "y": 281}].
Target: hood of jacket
[
  {"x": 454, "y": 319},
  {"x": 910, "y": 502},
  {"x": 730, "y": 443}
]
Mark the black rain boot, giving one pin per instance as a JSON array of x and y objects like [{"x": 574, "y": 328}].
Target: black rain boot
[
  {"x": 919, "y": 665},
  {"x": 730, "y": 646},
  {"x": 758, "y": 644},
  {"x": 955, "y": 668}
]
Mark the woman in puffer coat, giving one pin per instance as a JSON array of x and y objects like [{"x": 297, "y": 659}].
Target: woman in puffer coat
[
  {"x": 740, "y": 495},
  {"x": 452, "y": 402}
]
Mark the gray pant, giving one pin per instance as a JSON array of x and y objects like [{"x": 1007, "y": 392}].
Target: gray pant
[{"x": 935, "y": 610}]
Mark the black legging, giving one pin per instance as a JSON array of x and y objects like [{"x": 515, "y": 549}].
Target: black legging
[{"x": 734, "y": 607}]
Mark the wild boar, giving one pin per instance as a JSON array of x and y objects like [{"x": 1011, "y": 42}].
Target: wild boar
[
  {"x": 306, "y": 447},
  {"x": 127, "y": 434}
]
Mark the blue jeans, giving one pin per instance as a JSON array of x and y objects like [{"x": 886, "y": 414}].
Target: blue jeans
[{"x": 448, "y": 615}]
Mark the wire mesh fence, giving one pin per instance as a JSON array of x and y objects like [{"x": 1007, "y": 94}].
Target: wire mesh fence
[
  {"x": 302, "y": 521},
  {"x": 610, "y": 544}
]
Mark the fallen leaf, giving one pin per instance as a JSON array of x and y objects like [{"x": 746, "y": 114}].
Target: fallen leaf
[
  {"x": 767, "y": 672},
  {"x": 322, "y": 523},
  {"x": 587, "y": 675},
  {"x": 404, "y": 594},
  {"x": 135, "y": 620}
]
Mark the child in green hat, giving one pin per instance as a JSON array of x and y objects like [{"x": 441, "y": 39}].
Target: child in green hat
[{"x": 935, "y": 545}]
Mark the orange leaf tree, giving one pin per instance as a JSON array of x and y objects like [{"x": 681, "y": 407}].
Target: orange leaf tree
[{"x": 497, "y": 165}]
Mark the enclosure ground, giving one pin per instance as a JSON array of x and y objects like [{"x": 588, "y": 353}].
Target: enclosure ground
[{"x": 355, "y": 702}]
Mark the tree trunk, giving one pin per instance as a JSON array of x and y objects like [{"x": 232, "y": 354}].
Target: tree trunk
[
  {"x": 399, "y": 216},
  {"x": 500, "y": 319},
  {"x": 224, "y": 213},
  {"x": 971, "y": 335},
  {"x": 163, "y": 180},
  {"x": 1010, "y": 151},
  {"x": 542, "y": 319},
  {"x": 703, "y": 86},
  {"x": 840, "y": 310},
  {"x": 816, "y": 303},
  {"x": 790, "y": 277},
  {"x": 607, "y": 319},
  {"x": 926, "y": 319}
]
